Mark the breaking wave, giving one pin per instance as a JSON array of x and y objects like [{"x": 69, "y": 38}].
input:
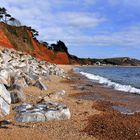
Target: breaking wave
[{"x": 109, "y": 83}]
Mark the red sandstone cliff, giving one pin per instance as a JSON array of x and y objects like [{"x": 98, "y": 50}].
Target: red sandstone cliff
[{"x": 20, "y": 38}]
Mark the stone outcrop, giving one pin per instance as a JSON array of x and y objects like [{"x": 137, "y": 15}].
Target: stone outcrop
[
  {"x": 54, "y": 96},
  {"x": 19, "y": 70}
]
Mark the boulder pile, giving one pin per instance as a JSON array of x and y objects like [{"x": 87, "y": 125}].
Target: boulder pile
[{"x": 19, "y": 70}]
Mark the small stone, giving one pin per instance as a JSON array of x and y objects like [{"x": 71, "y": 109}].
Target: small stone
[
  {"x": 5, "y": 122},
  {"x": 56, "y": 96}
]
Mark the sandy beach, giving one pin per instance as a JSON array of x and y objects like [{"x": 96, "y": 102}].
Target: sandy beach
[
  {"x": 69, "y": 70},
  {"x": 91, "y": 119}
]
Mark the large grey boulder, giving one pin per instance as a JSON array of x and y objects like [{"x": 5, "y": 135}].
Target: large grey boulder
[
  {"x": 6, "y": 57},
  {"x": 5, "y": 101},
  {"x": 4, "y": 93},
  {"x": 42, "y": 112},
  {"x": 28, "y": 79},
  {"x": 22, "y": 64},
  {"x": 60, "y": 114},
  {"x": 21, "y": 82},
  {"x": 16, "y": 92},
  {"x": 5, "y": 77},
  {"x": 30, "y": 117},
  {"x": 33, "y": 76}
]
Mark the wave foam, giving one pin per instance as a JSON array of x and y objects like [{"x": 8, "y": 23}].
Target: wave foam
[{"x": 109, "y": 83}]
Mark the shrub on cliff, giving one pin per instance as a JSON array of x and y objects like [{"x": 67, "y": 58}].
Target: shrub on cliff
[{"x": 60, "y": 46}]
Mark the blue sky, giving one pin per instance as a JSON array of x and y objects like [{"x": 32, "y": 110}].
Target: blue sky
[{"x": 90, "y": 28}]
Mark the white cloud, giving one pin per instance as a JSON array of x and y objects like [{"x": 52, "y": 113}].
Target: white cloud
[
  {"x": 81, "y": 19},
  {"x": 42, "y": 16},
  {"x": 67, "y": 25},
  {"x": 128, "y": 37},
  {"x": 75, "y": 2}
]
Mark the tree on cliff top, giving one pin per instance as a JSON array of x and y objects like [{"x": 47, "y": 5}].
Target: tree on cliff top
[
  {"x": 4, "y": 15},
  {"x": 2, "y": 10},
  {"x": 7, "y": 18},
  {"x": 60, "y": 46},
  {"x": 14, "y": 22}
]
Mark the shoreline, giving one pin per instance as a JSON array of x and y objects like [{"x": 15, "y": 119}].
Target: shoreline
[
  {"x": 106, "y": 66},
  {"x": 127, "y": 88},
  {"x": 110, "y": 102},
  {"x": 109, "y": 92},
  {"x": 91, "y": 119}
]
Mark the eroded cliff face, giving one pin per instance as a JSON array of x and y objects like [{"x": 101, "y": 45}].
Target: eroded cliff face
[
  {"x": 4, "y": 41},
  {"x": 43, "y": 53},
  {"x": 20, "y": 38}
]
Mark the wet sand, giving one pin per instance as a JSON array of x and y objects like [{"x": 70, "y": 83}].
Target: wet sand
[
  {"x": 92, "y": 118},
  {"x": 119, "y": 118},
  {"x": 123, "y": 101}
]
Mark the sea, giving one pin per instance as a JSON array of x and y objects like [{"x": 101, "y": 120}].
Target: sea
[{"x": 125, "y": 79}]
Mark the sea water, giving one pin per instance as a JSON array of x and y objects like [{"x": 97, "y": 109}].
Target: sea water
[{"x": 125, "y": 79}]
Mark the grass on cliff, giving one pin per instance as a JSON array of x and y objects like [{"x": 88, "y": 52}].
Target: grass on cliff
[{"x": 18, "y": 36}]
